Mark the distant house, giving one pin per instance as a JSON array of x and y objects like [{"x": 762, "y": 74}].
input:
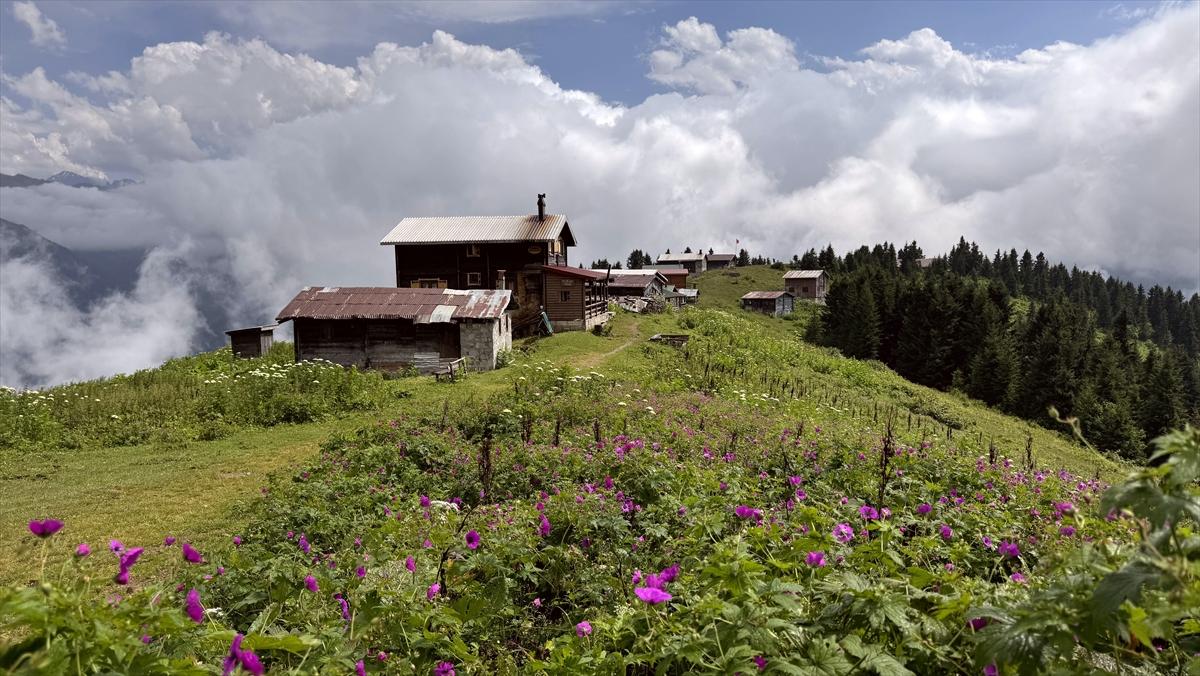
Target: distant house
[
  {"x": 484, "y": 252},
  {"x": 676, "y": 274},
  {"x": 575, "y": 299},
  {"x": 643, "y": 283},
  {"x": 806, "y": 284},
  {"x": 694, "y": 262},
  {"x": 716, "y": 261},
  {"x": 390, "y": 328},
  {"x": 775, "y": 303},
  {"x": 689, "y": 295},
  {"x": 254, "y": 341}
]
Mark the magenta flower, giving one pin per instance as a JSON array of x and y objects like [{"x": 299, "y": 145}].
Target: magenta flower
[
  {"x": 544, "y": 528},
  {"x": 251, "y": 663},
  {"x": 652, "y": 595},
  {"x": 122, "y": 577},
  {"x": 433, "y": 591},
  {"x": 537, "y": 603},
  {"x": 411, "y": 564},
  {"x": 1009, "y": 549},
  {"x": 991, "y": 670},
  {"x": 977, "y": 623},
  {"x": 190, "y": 554},
  {"x": 424, "y": 500},
  {"x": 361, "y": 571},
  {"x": 130, "y": 557},
  {"x": 868, "y": 512},
  {"x": 443, "y": 669},
  {"x": 169, "y": 540},
  {"x": 801, "y": 495},
  {"x": 115, "y": 546},
  {"x": 583, "y": 629},
  {"x": 302, "y": 543},
  {"x": 1017, "y": 577},
  {"x": 193, "y": 608},
  {"x": 472, "y": 539},
  {"x": 45, "y": 528},
  {"x": 1067, "y": 530},
  {"x": 924, "y": 508},
  {"x": 843, "y": 533},
  {"x": 428, "y": 544},
  {"x": 682, "y": 511},
  {"x": 637, "y": 575},
  {"x": 360, "y": 669},
  {"x": 246, "y": 659},
  {"x": 237, "y": 540},
  {"x": 815, "y": 559},
  {"x": 345, "y": 607},
  {"x": 83, "y": 550},
  {"x": 947, "y": 532},
  {"x": 310, "y": 583},
  {"x": 760, "y": 662},
  {"x": 669, "y": 573}
]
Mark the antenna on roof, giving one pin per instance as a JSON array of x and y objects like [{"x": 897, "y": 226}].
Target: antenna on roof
[{"x": 541, "y": 206}]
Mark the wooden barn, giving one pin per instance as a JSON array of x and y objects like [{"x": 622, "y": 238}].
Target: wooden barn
[
  {"x": 806, "y": 284},
  {"x": 645, "y": 283},
  {"x": 693, "y": 262},
  {"x": 388, "y": 328},
  {"x": 575, "y": 299},
  {"x": 775, "y": 303},
  {"x": 716, "y": 261},
  {"x": 253, "y": 341}
]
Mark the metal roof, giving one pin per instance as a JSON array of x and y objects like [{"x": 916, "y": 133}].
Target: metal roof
[
  {"x": 803, "y": 274},
  {"x": 721, "y": 257},
  {"x": 675, "y": 258},
  {"x": 423, "y": 306},
  {"x": 645, "y": 272},
  {"x": 265, "y": 328},
  {"x": 578, "y": 273},
  {"x": 472, "y": 229},
  {"x": 765, "y": 295},
  {"x": 625, "y": 278},
  {"x": 690, "y": 293}
]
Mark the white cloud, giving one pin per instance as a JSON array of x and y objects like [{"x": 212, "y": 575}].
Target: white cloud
[
  {"x": 43, "y": 30},
  {"x": 1086, "y": 152},
  {"x": 694, "y": 57}
]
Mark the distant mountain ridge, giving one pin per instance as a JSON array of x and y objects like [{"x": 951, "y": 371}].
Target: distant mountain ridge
[
  {"x": 68, "y": 178},
  {"x": 86, "y": 275}
]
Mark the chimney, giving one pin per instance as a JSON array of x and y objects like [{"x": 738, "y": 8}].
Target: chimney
[
  {"x": 500, "y": 280},
  {"x": 541, "y": 206}
]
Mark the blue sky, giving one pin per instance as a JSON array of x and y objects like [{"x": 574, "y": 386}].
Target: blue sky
[{"x": 600, "y": 49}]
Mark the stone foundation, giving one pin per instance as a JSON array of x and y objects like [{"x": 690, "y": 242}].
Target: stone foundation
[{"x": 481, "y": 340}]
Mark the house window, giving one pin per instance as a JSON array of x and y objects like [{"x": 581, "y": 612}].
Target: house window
[
  {"x": 472, "y": 251},
  {"x": 425, "y": 283},
  {"x": 565, "y": 296},
  {"x": 474, "y": 279}
]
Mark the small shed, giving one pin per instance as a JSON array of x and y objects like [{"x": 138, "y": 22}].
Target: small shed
[
  {"x": 676, "y": 274},
  {"x": 806, "y": 284},
  {"x": 391, "y": 328},
  {"x": 253, "y": 341},
  {"x": 775, "y": 303},
  {"x": 689, "y": 295}
]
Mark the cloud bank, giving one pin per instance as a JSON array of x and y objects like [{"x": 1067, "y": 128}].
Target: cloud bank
[
  {"x": 281, "y": 171},
  {"x": 44, "y": 32}
]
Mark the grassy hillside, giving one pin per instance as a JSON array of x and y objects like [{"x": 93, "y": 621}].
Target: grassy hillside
[
  {"x": 180, "y": 448},
  {"x": 604, "y": 505}
]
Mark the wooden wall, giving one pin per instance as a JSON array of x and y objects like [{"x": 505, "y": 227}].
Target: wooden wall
[
  {"x": 558, "y": 309},
  {"x": 378, "y": 343},
  {"x": 451, "y": 263}
]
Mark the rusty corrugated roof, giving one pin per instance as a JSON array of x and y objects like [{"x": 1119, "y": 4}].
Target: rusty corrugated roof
[
  {"x": 765, "y": 295},
  {"x": 803, "y": 274},
  {"x": 473, "y": 229},
  {"x": 424, "y": 306},
  {"x": 579, "y": 273}
]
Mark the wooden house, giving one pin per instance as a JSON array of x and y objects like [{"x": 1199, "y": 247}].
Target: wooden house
[
  {"x": 645, "y": 283},
  {"x": 693, "y": 262},
  {"x": 518, "y": 253},
  {"x": 716, "y": 261},
  {"x": 575, "y": 299},
  {"x": 676, "y": 274},
  {"x": 806, "y": 284},
  {"x": 775, "y": 303},
  {"x": 389, "y": 328},
  {"x": 254, "y": 341}
]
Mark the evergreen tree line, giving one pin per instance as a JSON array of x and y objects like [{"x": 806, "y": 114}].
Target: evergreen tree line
[{"x": 1022, "y": 335}]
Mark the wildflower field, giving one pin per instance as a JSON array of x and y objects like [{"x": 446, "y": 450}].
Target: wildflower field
[{"x": 738, "y": 505}]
